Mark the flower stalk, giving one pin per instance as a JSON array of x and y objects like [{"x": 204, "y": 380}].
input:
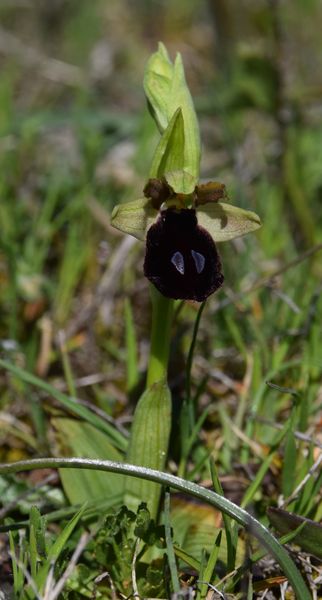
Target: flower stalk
[{"x": 162, "y": 313}]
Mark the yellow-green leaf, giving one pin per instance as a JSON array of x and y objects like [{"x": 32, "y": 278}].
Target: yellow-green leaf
[{"x": 77, "y": 438}]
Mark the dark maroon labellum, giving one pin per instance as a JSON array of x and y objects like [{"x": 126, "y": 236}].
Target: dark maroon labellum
[{"x": 181, "y": 258}]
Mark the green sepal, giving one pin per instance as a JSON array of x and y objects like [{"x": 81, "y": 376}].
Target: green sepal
[
  {"x": 225, "y": 222},
  {"x": 134, "y": 217}
]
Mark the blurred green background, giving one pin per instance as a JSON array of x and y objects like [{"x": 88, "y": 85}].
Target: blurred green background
[{"x": 76, "y": 139}]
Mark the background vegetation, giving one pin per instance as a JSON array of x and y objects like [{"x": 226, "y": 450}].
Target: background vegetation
[{"x": 76, "y": 139}]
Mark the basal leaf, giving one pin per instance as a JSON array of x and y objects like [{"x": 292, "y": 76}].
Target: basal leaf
[
  {"x": 77, "y": 438},
  {"x": 149, "y": 445}
]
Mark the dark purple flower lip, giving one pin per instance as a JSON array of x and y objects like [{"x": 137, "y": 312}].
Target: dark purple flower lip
[{"x": 181, "y": 258}]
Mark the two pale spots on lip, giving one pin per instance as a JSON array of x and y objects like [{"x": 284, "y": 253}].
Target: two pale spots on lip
[
  {"x": 181, "y": 258},
  {"x": 178, "y": 261}
]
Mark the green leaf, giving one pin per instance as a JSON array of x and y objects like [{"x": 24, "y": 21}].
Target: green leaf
[
  {"x": 37, "y": 543},
  {"x": 167, "y": 92},
  {"x": 18, "y": 564},
  {"x": 169, "y": 545},
  {"x": 186, "y": 558},
  {"x": 210, "y": 567},
  {"x": 231, "y": 534},
  {"x": 225, "y": 222},
  {"x": 309, "y": 538},
  {"x": 134, "y": 217},
  {"x": 149, "y": 445},
  {"x": 56, "y": 549},
  {"x": 77, "y": 438}
]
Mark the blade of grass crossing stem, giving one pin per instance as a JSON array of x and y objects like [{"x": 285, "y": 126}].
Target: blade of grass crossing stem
[
  {"x": 148, "y": 445},
  {"x": 189, "y": 366},
  {"x": 131, "y": 348},
  {"x": 169, "y": 545},
  {"x": 209, "y": 569},
  {"x": 187, "y": 417},
  {"x": 257, "y": 529},
  {"x": 81, "y": 411},
  {"x": 231, "y": 535}
]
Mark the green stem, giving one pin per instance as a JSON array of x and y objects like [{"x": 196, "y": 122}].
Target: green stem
[
  {"x": 188, "y": 399},
  {"x": 162, "y": 312}
]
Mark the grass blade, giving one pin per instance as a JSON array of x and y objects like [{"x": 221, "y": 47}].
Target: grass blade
[
  {"x": 169, "y": 544},
  {"x": 230, "y": 534},
  {"x": 211, "y": 564}
]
